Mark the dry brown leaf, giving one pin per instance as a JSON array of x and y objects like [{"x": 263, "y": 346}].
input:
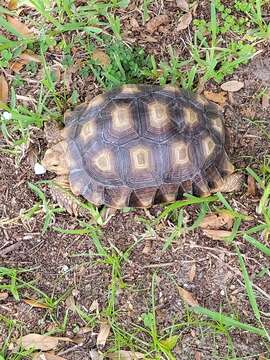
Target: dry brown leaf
[
  {"x": 217, "y": 221},
  {"x": 184, "y": 22},
  {"x": 19, "y": 26},
  {"x": 251, "y": 186},
  {"x": 17, "y": 65},
  {"x": 217, "y": 234},
  {"x": 40, "y": 342},
  {"x": 192, "y": 272},
  {"x": 198, "y": 355},
  {"x": 155, "y": 23},
  {"x": 13, "y": 4},
  {"x": 134, "y": 23},
  {"x": 84, "y": 330},
  {"x": 103, "y": 334},
  {"x": 147, "y": 247},
  {"x": 3, "y": 90},
  {"x": 95, "y": 355},
  {"x": 36, "y": 303},
  {"x": 70, "y": 303},
  {"x": 183, "y": 4},
  {"x": 30, "y": 56},
  {"x": 232, "y": 85},
  {"x": 125, "y": 355},
  {"x": 265, "y": 100},
  {"x": 187, "y": 297},
  {"x": 47, "y": 356},
  {"x": 101, "y": 57},
  {"x": 94, "y": 306},
  {"x": 3, "y": 295},
  {"x": 219, "y": 98}
]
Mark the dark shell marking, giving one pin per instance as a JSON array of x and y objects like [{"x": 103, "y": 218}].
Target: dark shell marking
[{"x": 139, "y": 145}]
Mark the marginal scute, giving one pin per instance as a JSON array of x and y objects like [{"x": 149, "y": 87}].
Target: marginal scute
[
  {"x": 117, "y": 197},
  {"x": 130, "y": 89},
  {"x": 96, "y": 101},
  {"x": 201, "y": 99},
  {"x": 217, "y": 124}
]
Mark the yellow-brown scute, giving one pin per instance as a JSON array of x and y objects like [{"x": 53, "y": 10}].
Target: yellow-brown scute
[{"x": 55, "y": 159}]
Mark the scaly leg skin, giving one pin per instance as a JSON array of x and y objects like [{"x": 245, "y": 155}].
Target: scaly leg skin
[
  {"x": 52, "y": 130},
  {"x": 61, "y": 193},
  {"x": 231, "y": 183}
]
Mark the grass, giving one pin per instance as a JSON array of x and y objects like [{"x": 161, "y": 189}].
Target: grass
[{"x": 70, "y": 35}]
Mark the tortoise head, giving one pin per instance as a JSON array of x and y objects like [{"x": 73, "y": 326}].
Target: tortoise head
[{"x": 55, "y": 159}]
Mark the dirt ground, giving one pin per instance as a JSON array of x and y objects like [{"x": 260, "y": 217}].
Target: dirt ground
[{"x": 61, "y": 262}]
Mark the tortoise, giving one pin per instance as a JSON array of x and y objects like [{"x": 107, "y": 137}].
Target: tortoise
[{"x": 140, "y": 145}]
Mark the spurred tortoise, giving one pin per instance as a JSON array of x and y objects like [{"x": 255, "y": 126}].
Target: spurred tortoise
[{"x": 139, "y": 145}]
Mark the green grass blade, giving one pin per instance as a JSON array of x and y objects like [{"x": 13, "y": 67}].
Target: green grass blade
[
  {"x": 249, "y": 288},
  {"x": 228, "y": 321},
  {"x": 263, "y": 248}
]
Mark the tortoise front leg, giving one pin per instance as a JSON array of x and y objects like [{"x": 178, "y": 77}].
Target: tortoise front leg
[{"x": 62, "y": 194}]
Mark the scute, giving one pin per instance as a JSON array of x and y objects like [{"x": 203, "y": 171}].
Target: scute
[{"x": 139, "y": 145}]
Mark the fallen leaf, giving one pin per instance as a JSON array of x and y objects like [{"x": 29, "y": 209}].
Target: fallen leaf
[
  {"x": 103, "y": 334},
  {"x": 101, "y": 57},
  {"x": 217, "y": 221},
  {"x": 147, "y": 247},
  {"x": 84, "y": 330},
  {"x": 3, "y": 295},
  {"x": 40, "y": 342},
  {"x": 198, "y": 355},
  {"x": 94, "y": 306},
  {"x": 30, "y": 56},
  {"x": 155, "y": 23},
  {"x": 187, "y": 297},
  {"x": 183, "y": 5},
  {"x": 16, "y": 66},
  {"x": 47, "y": 356},
  {"x": 70, "y": 303},
  {"x": 19, "y": 26},
  {"x": 265, "y": 100},
  {"x": 251, "y": 186},
  {"x": 184, "y": 22},
  {"x": 3, "y": 90},
  {"x": 36, "y": 303},
  {"x": 232, "y": 85},
  {"x": 192, "y": 272},
  {"x": 219, "y": 98},
  {"x": 134, "y": 23},
  {"x": 13, "y": 4},
  {"x": 125, "y": 355},
  {"x": 95, "y": 355},
  {"x": 217, "y": 234}
]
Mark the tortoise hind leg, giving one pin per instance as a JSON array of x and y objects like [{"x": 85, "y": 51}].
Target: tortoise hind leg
[
  {"x": 230, "y": 183},
  {"x": 62, "y": 194}
]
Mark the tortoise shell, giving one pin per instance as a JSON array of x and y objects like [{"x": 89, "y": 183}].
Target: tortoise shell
[{"x": 140, "y": 145}]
